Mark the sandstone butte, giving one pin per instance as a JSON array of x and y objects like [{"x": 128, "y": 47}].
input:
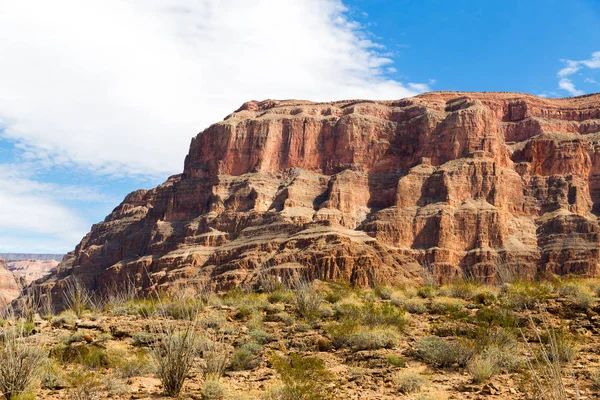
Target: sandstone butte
[{"x": 458, "y": 184}]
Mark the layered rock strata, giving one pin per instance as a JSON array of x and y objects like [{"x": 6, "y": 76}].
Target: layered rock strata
[{"x": 455, "y": 184}]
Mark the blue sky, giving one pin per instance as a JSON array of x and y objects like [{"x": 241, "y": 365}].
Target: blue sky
[{"x": 101, "y": 98}]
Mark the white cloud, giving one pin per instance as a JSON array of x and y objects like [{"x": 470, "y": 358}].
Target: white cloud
[
  {"x": 574, "y": 66},
  {"x": 567, "y": 85},
  {"x": 33, "y": 216},
  {"x": 120, "y": 87}
]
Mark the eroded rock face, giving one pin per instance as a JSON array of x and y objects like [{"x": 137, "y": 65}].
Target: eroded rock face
[
  {"x": 367, "y": 191},
  {"x": 9, "y": 287}
]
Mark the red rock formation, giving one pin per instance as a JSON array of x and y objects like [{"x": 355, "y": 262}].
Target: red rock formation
[
  {"x": 363, "y": 190},
  {"x": 9, "y": 287}
]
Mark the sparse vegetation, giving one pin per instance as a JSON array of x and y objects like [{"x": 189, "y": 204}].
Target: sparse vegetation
[{"x": 409, "y": 383}]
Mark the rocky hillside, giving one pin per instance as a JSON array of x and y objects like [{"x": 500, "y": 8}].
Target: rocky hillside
[{"x": 452, "y": 183}]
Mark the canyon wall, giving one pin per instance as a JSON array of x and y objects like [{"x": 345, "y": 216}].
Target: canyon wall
[{"x": 455, "y": 184}]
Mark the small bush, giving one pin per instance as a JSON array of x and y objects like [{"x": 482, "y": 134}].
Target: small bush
[
  {"x": 580, "y": 296},
  {"x": 303, "y": 378},
  {"x": 213, "y": 390},
  {"x": 426, "y": 292},
  {"x": 339, "y": 332},
  {"x": 141, "y": 339},
  {"x": 523, "y": 295},
  {"x": 409, "y": 383},
  {"x": 383, "y": 292},
  {"x": 445, "y": 305},
  {"x": 215, "y": 361},
  {"x": 77, "y": 297},
  {"x": 20, "y": 363},
  {"x": 137, "y": 365},
  {"x": 306, "y": 299},
  {"x": 482, "y": 368},
  {"x": 373, "y": 339},
  {"x": 384, "y": 314},
  {"x": 439, "y": 352},
  {"x": 243, "y": 356},
  {"x": 188, "y": 310},
  {"x": 396, "y": 361},
  {"x": 415, "y": 306},
  {"x": 260, "y": 337},
  {"x": 174, "y": 358}
]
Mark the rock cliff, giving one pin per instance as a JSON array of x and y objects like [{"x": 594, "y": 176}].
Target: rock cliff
[
  {"x": 9, "y": 287},
  {"x": 458, "y": 184}
]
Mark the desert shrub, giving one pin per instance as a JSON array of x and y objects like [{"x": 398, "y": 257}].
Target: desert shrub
[
  {"x": 396, "y": 360},
  {"x": 409, "y": 383},
  {"x": 523, "y": 295},
  {"x": 184, "y": 310},
  {"x": 213, "y": 390},
  {"x": 339, "y": 332},
  {"x": 496, "y": 316},
  {"x": 85, "y": 385},
  {"x": 426, "y": 292},
  {"x": 546, "y": 368},
  {"x": 415, "y": 306},
  {"x": 337, "y": 291},
  {"x": 383, "y": 314},
  {"x": 481, "y": 368},
  {"x": 560, "y": 345},
  {"x": 141, "y": 339},
  {"x": 215, "y": 321},
  {"x": 439, "y": 352},
  {"x": 214, "y": 361},
  {"x": 446, "y": 305},
  {"x": 244, "y": 355},
  {"x": 89, "y": 355},
  {"x": 77, "y": 297},
  {"x": 579, "y": 295},
  {"x": 280, "y": 296},
  {"x": 174, "y": 357},
  {"x": 464, "y": 289},
  {"x": 380, "y": 338},
  {"x": 304, "y": 378},
  {"x": 260, "y": 337},
  {"x": 306, "y": 299},
  {"x": 136, "y": 365},
  {"x": 383, "y": 292},
  {"x": 20, "y": 363}
]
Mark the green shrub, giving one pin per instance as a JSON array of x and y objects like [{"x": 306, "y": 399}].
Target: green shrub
[
  {"x": 244, "y": 355},
  {"x": 383, "y": 292},
  {"x": 481, "y": 368},
  {"x": 415, "y": 306},
  {"x": 426, "y": 292},
  {"x": 445, "y": 305},
  {"x": 496, "y": 316},
  {"x": 213, "y": 390},
  {"x": 136, "y": 365},
  {"x": 187, "y": 310},
  {"x": 339, "y": 332},
  {"x": 380, "y": 338},
  {"x": 20, "y": 363},
  {"x": 260, "y": 337},
  {"x": 304, "y": 378},
  {"x": 384, "y": 314},
  {"x": 439, "y": 352},
  {"x": 523, "y": 295},
  {"x": 409, "y": 383},
  {"x": 307, "y": 299},
  {"x": 142, "y": 339},
  {"x": 396, "y": 361}
]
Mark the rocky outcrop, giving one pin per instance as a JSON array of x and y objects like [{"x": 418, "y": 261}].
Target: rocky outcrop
[
  {"x": 456, "y": 183},
  {"x": 9, "y": 286}
]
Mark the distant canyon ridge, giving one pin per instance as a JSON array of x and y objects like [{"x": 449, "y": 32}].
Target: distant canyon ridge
[
  {"x": 454, "y": 184},
  {"x": 17, "y": 271}
]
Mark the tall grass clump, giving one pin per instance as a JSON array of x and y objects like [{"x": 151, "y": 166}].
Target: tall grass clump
[
  {"x": 77, "y": 297},
  {"x": 20, "y": 363},
  {"x": 306, "y": 298}
]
